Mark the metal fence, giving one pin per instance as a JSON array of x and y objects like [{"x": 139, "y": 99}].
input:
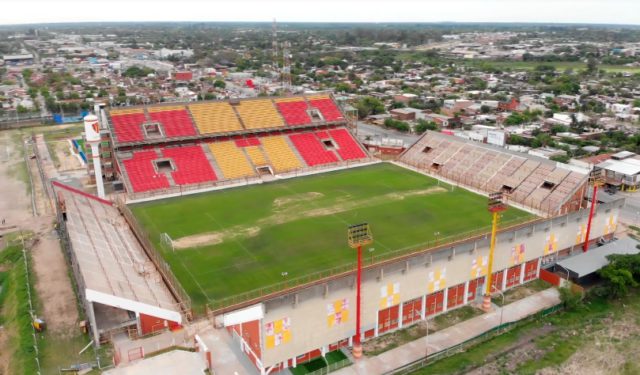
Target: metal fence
[
  {"x": 331, "y": 367},
  {"x": 485, "y": 336},
  {"x": 219, "y": 305},
  {"x": 208, "y": 186}
]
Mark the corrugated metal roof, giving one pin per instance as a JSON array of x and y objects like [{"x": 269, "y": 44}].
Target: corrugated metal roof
[{"x": 587, "y": 263}]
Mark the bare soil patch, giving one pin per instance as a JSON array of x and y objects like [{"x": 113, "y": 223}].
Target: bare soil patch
[{"x": 290, "y": 211}]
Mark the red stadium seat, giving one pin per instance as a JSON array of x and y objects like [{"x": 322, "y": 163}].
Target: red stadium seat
[
  {"x": 294, "y": 113},
  {"x": 176, "y": 123},
  {"x": 328, "y": 108},
  {"x": 128, "y": 127},
  {"x": 312, "y": 150},
  {"x": 142, "y": 173},
  {"x": 348, "y": 148},
  {"x": 191, "y": 164}
]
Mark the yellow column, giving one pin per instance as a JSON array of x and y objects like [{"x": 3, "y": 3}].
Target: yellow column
[{"x": 486, "y": 303}]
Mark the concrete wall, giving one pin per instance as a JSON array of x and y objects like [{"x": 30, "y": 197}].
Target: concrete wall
[{"x": 308, "y": 325}]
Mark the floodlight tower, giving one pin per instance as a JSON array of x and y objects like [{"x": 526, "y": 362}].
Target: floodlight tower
[
  {"x": 358, "y": 235},
  {"x": 92, "y": 134},
  {"x": 274, "y": 47},
  {"x": 286, "y": 67},
  {"x": 496, "y": 206},
  {"x": 596, "y": 179}
]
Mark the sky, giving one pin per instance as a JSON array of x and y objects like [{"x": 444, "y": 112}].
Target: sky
[{"x": 543, "y": 11}]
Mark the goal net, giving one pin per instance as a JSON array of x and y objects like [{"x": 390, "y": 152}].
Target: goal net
[{"x": 166, "y": 241}]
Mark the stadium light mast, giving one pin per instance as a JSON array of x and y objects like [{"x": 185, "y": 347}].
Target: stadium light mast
[
  {"x": 496, "y": 206},
  {"x": 358, "y": 235},
  {"x": 596, "y": 179}
]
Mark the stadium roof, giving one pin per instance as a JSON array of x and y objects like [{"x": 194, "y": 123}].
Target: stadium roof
[
  {"x": 587, "y": 263},
  {"x": 113, "y": 267}
]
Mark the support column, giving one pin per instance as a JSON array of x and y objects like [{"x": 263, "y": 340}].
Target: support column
[
  {"x": 504, "y": 279},
  {"x": 465, "y": 299},
  {"x": 423, "y": 313},
  {"x": 400, "y": 315},
  {"x": 375, "y": 329},
  {"x": 94, "y": 325},
  {"x": 522, "y": 272},
  {"x": 538, "y": 268},
  {"x": 444, "y": 300}
]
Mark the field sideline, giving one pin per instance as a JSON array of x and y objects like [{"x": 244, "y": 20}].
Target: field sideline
[{"x": 236, "y": 240}]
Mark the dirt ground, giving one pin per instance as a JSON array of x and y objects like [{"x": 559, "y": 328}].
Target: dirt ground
[
  {"x": 290, "y": 209},
  {"x": 52, "y": 281}
]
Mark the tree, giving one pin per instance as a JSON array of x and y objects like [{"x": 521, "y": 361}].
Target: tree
[
  {"x": 369, "y": 106},
  {"x": 21, "y": 109},
  {"x": 618, "y": 280},
  {"x": 398, "y": 125},
  {"x": 219, "y": 84},
  {"x": 485, "y": 109},
  {"x": 592, "y": 66},
  {"x": 395, "y": 105},
  {"x": 424, "y": 125}
]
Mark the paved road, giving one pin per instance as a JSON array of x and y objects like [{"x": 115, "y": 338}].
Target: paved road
[{"x": 452, "y": 336}]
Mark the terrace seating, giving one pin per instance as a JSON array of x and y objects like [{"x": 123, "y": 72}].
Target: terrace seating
[
  {"x": 142, "y": 173},
  {"x": 192, "y": 165},
  {"x": 328, "y": 108},
  {"x": 259, "y": 114},
  {"x": 294, "y": 111},
  {"x": 175, "y": 121},
  {"x": 528, "y": 180},
  {"x": 127, "y": 125},
  {"x": 231, "y": 160},
  {"x": 256, "y": 156},
  {"x": 312, "y": 150},
  {"x": 283, "y": 158},
  {"x": 215, "y": 118},
  {"x": 348, "y": 147}
]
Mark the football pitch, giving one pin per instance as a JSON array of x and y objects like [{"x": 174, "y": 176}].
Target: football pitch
[{"x": 236, "y": 240}]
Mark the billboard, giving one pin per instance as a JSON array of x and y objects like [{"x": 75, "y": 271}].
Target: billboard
[
  {"x": 496, "y": 137},
  {"x": 92, "y": 128}
]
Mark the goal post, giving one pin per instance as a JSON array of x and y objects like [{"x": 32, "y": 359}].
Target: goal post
[{"x": 166, "y": 241}]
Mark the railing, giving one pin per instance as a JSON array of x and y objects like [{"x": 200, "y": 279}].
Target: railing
[
  {"x": 207, "y": 186},
  {"x": 175, "y": 287},
  {"x": 483, "y": 337},
  {"x": 220, "y": 305},
  {"x": 331, "y": 367}
]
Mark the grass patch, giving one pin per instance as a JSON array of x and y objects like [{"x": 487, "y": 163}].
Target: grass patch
[
  {"x": 559, "y": 65},
  {"x": 15, "y": 310},
  {"x": 299, "y": 225},
  {"x": 417, "y": 331},
  {"x": 318, "y": 363},
  {"x": 572, "y": 330},
  {"x": 521, "y": 291}
]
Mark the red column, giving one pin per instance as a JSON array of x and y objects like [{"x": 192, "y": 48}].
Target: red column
[
  {"x": 594, "y": 198},
  {"x": 357, "y": 347}
]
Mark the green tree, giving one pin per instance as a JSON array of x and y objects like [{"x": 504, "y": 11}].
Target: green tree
[
  {"x": 369, "y": 106},
  {"x": 424, "y": 125},
  {"x": 618, "y": 280},
  {"x": 219, "y": 84}
]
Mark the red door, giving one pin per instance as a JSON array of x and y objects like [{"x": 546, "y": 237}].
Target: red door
[
  {"x": 411, "y": 311},
  {"x": 475, "y": 289},
  {"x": 455, "y": 296},
  {"x": 435, "y": 303},
  {"x": 388, "y": 319},
  {"x": 496, "y": 281},
  {"x": 513, "y": 276},
  {"x": 530, "y": 270}
]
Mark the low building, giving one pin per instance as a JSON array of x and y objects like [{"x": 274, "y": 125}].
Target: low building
[{"x": 622, "y": 170}]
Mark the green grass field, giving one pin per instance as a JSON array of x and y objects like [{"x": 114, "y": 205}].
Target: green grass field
[
  {"x": 298, "y": 226},
  {"x": 559, "y": 65}
]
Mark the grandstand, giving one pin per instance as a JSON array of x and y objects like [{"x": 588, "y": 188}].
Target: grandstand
[
  {"x": 539, "y": 184},
  {"x": 162, "y": 149}
]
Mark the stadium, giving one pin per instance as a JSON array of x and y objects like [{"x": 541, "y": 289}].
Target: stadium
[{"x": 236, "y": 213}]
